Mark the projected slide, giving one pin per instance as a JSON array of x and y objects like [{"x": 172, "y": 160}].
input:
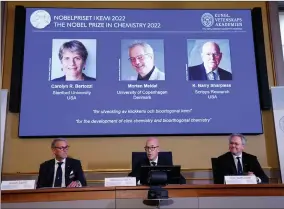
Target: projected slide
[{"x": 95, "y": 72}]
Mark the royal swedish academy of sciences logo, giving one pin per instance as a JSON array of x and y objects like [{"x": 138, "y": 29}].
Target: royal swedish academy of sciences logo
[
  {"x": 40, "y": 19},
  {"x": 207, "y": 20}
]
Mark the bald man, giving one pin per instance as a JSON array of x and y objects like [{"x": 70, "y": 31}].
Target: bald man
[
  {"x": 152, "y": 158},
  {"x": 209, "y": 70}
]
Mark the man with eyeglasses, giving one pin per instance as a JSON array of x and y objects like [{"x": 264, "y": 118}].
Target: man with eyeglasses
[
  {"x": 209, "y": 70},
  {"x": 61, "y": 171},
  {"x": 152, "y": 158},
  {"x": 238, "y": 162},
  {"x": 141, "y": 57}
]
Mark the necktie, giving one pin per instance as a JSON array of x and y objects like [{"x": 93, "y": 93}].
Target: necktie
[
  {"x": 153, "y": 163},
  {"x": 214, "y": 76},
  {"x": 58, "y": 177},
  {"x": 239, "y": 167}
]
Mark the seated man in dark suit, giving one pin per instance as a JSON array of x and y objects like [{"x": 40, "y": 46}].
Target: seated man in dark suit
[
  {"x": 61, "y": 171},
  {"x": 152, "y": 158},
  {"x": 237, "y": 162},
  {"x": 209, "y": 69}
]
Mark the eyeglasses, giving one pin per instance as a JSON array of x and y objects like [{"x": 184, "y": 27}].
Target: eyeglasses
[
  {"x": 62, "y": 148},
  {"x": 234, "y": 143},
  {"x": 150, "y": 148},
  {"x": 213, "y": 54},
  {"x": 139, "y": 58}
]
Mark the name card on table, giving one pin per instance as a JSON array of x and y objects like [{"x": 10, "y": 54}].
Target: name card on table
[
  {"x": 240, "y": 180},
  {"x": 17, "y": 184},
  {"x": 120, "y": 181}
]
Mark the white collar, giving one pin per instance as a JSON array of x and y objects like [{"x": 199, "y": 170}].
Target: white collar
[
  {"x": 63, "y": 161},
  {"x": 210, "y": 71},
  {"x": 156, "y": 160},
  {"x": 215, "y": 71},
  {"x": 240, "y": 156}
]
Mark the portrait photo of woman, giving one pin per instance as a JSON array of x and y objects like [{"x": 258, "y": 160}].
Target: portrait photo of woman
[{"x": 73, "y": 56}]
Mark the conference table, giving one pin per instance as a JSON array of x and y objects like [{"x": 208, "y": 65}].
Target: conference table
[{"x": 180, "y": 196}]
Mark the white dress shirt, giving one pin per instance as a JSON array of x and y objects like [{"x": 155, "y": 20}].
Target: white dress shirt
[
  {"x": 155, "y": 161},
  {"x": 236, "y": 160},
  {"x": 241, "y": 160},
  {"x": 210, "y": 75},
  {"x": 63, "y": 172}
]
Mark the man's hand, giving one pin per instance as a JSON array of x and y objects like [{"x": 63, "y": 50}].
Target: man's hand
[
  {"x": 251, "y": 173},
  {"x": 257, "y": 178},
  {"x": 73, "y": 184}
]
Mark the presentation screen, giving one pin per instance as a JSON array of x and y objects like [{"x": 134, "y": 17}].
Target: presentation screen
[{"x": 106, "y": 72}]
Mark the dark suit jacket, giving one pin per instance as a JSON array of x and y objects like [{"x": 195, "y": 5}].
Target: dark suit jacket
[
  {"x": 145, "y": 161},
  {"x": 226, "y": 166},
  {"x": 46, "y": 173},
  {"x": 86, "y": 78},
  {"x": 198, "y": 72}
]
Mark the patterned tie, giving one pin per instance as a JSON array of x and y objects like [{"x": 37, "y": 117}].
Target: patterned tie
[
  {"x": 153, "y": 163},
  {"x": 239, "y": 167},
  {"x": 214, "y": 76},
  {"x": 58, "y": 177}
]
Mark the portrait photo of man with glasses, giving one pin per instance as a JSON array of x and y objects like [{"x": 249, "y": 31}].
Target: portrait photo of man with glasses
[
  {"x": 142, "y": 60},
  {"x": 212, "y": 54}
]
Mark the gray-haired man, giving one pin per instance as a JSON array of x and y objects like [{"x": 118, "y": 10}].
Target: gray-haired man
[
  {"x": 141, "y": 56},
  {"x": 237, "y": 162},
  {"x": 61, "y": 171}
]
